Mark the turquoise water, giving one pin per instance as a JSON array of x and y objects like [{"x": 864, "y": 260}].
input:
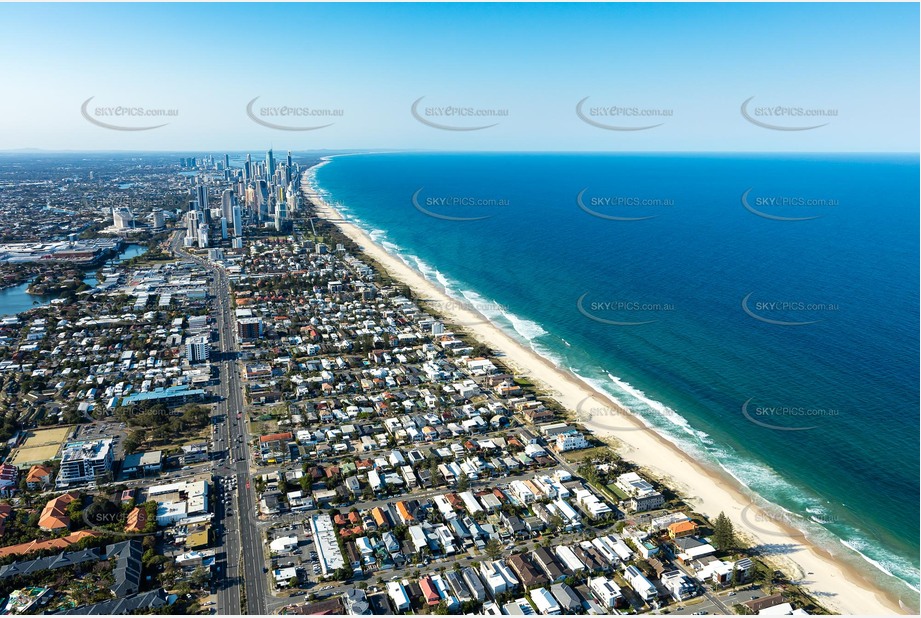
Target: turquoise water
[{"x": 759, "y": 311}]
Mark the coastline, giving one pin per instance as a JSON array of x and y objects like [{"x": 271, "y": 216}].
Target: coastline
[{"x": 835, "y": 584}]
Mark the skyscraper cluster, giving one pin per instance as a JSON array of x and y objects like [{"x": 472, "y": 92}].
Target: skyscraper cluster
[{"x": 258, "y": 193}]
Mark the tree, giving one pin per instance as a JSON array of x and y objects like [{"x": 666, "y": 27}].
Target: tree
[
  {"x": 200, "y": 577},
  {"x": 134, "y": 440},
  {"x": 493, "y": 549},
  {"x": 723, "y": 533},
  {"x": 161, "y": 433},
  {"x": 74, "y": 511},
  {"x": 463, "y": 483},
  {"x": 469, "y": 608}
]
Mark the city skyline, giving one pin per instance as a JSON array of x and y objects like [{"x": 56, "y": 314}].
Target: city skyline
[{"x": 459, "y": 308}]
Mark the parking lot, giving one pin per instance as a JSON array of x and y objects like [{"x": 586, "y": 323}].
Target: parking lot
[
  {"x": 302, "y": 557},
  {"x": 104, "y": 429}
]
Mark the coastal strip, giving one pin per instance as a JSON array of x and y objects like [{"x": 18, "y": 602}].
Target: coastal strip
[{"x": 836, "y": 584}]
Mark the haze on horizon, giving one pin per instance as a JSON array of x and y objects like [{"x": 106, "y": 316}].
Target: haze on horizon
[{"x": 366, "y": 65}]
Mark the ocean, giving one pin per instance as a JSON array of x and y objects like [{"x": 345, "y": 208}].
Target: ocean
[{"x": 758, "y": 310}]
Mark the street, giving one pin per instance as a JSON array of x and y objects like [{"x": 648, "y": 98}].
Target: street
[{"x": 242, "y": 560}]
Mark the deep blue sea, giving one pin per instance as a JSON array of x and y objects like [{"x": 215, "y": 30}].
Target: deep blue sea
[{"x": 761, "y": 311}]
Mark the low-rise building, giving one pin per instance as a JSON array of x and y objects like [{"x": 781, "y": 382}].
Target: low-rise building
[
  {"x": 54, "y": 515},
  {"x": 643, "y": 496},
  {"x": 398, "y": 596},
  {"x": 324, "y": 537},
  {"x": 606, "y": 591},
  {"x": 142, "y": 464},
  {"x": 679, "y": 585},
  {"x": 39, "y": 477},
  {"x": 640, "y": 584},
  {"x": 544, "y": 602},
  {"x": 566, "y": 597}
]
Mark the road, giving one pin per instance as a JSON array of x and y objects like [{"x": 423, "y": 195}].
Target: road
[{"x": 243, "y": 559}]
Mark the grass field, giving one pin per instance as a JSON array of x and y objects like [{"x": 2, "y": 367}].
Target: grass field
[
  {"x": 40, "y": 445},
  {"x": 41, "y": 437},
  {"x": 37, "y": 454}
]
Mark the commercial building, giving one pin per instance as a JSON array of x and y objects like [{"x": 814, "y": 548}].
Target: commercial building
[
  {"x": 172, "y": 395},
  {"x": 122, "y": 218},
  {"x": 159, "y": 219},
  {"x": 142, "y": 464},
  {"x": 194, "y": 453},
  {"x": 275, "y": 448},
  {"x": 324, "y": 537}
]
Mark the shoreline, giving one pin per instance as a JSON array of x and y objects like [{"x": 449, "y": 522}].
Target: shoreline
[{"x": 838, "y": 586}]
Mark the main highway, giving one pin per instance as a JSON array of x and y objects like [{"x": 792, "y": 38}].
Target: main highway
[{"x": 240, "y": 569}]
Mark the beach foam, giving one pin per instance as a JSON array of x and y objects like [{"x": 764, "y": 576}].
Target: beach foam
[{"x": 708, "y": 495}]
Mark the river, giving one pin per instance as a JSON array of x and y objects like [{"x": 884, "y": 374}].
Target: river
[{"x": 16, "y": 299}]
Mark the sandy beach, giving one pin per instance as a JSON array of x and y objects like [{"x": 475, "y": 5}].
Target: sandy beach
[{"x": 836, "y": 585}]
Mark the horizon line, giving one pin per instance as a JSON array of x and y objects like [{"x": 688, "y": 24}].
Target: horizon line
[{"x": 13, "y": 151}]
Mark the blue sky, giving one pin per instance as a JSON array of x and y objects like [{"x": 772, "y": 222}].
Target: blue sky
[{"x": 693, "y": 65}]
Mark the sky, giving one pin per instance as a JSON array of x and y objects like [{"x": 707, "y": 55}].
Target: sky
[{"x": 504, "y": 77}]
